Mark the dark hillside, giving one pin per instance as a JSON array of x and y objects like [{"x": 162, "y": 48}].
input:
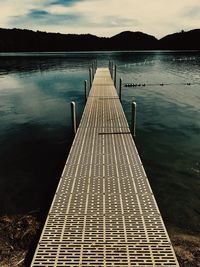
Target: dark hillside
[
  {"x": 181, "y": 41},
  {"x": 133, "y": 41},
  {"x": 17, "y": 40}
]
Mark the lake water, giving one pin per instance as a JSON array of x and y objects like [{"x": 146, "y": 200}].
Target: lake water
[{"x": 35, "y": 125}]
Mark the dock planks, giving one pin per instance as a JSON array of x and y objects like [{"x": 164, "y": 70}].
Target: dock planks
[{"x": 104, "y": 212}]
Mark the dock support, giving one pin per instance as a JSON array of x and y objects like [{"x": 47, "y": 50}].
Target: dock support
[
  {"x": 85, "y": 86},
  {"x": 111, "y": 69},
  {"x": 134, "y": 106},
  {"x": 93, "y": 70},
  {"x": 73, "y": 115},
  {"x": 115, "y": 80},
  {"x": 120, "y": 89},
  {"x": 90, "y": 74},
  {"x": 95, "y": 66}
]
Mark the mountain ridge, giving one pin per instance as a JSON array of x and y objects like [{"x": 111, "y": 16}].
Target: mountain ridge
[{"x": 23, "y": 40}]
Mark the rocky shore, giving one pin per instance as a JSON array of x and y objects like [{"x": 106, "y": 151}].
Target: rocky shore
[
  {"x": 17, "y": 234},
  {"x": 187, "y": 249}
]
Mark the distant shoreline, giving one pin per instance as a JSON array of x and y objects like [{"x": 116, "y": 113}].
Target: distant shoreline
[
  {"x": 19, "y": 40},
  {"x": 95, "y": 51}
]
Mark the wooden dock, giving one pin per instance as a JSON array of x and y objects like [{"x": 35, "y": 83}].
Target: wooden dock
[{"x": 104, "y": 212}]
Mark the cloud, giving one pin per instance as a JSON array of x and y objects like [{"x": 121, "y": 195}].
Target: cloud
[
  {"x": 45, "y": 18},
  {"x": 101, "y": 17},
  {"x": 37, "y": 13},
  {"x": 64, "y": 2},
  {"x": 112, "y": 21},
  {"x": 192, "y": 12}
]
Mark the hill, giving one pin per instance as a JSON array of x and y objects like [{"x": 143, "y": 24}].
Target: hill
[
  {"x": 181, "y": 41},
  {"x": 18, "y": 40},
  {"x": 133, "y": 41}
]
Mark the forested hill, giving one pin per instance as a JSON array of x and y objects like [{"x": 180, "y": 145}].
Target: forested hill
[
  {"x": 17, "y": 40},
  {"x": 183, "y": 40}
]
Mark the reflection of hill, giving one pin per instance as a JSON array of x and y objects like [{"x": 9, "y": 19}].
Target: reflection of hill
[
  {"x": 23, "y": 63},
  {"x": 17, "y": 40}
]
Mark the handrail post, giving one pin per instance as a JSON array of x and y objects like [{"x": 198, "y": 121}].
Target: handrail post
[
  {"x": 73, "y": 115},
  {"x": 115, "y": 81},
  {"x": 120, "y": 89},
  {"x": 90, "y": 74},
  {"x": 85, "y": 85},
  {"x": 111, "y": 69},
  {"x": 134, "y": 106},
  {"x": 95, "y": 65},
  {"x": 93, "y": 70}
]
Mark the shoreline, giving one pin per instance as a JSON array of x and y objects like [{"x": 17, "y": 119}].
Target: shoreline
[
  {"x": 186, "y": 246},
  {"x": 18, "y": 235}
]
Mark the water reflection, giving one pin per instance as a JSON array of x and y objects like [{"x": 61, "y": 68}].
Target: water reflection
[{"x": 35, "y": 133}]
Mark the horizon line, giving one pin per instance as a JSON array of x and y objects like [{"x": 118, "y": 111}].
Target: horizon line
[{"x": 54, "y": 32}]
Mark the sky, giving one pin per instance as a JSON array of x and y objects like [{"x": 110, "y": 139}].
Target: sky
[{"x": 101, "y": 17}]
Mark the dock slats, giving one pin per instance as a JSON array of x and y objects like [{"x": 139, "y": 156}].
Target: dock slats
[{"x": 104, "y": 212}]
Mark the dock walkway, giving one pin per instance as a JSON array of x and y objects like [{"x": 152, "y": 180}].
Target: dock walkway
[{"x": 104, "y": 212}]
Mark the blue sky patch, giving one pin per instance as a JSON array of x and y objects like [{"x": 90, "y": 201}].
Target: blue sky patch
[{"x": 64, "y": 2}]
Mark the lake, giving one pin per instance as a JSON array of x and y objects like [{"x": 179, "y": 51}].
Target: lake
[{"x": 36, "y": 134}]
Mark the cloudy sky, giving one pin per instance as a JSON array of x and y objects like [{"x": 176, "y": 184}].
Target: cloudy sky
[{"x": 101, "y": 17}]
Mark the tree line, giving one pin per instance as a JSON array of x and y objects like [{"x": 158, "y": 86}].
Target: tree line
[{"x": 20, "y": 40}]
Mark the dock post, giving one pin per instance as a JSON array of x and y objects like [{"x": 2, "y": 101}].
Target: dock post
[
  {"x": 111, "y": 69},
  {"x": 120, "y": 89},
  {"x": 94, "y": 70},
  {"x": 90, "y": 74},
  {"x": 115, "y": 81},
  {"x": 134, "y": 106},
  {"x": 73, "y": 115},
  {"x": 95, "y": 65},
  {"x": 85, "y": 85}
]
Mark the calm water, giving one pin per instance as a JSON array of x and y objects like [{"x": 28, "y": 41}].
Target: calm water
[{"x": 35, "y": 125}]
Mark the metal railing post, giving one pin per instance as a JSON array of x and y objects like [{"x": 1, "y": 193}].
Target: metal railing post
[
  {"x": 111, "y": 69},
  {"x": 85, "y": 86},
  {"x": 90, "y": 74},
  {"x": 95, "y": 65},
  {"x": 120, "y": 89},
  {"x": 134, "y": 106},
  {"x": 94, "y": 70},
  {"x": 73, "y": 115},
  {"x": 115, "y": 80}
]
